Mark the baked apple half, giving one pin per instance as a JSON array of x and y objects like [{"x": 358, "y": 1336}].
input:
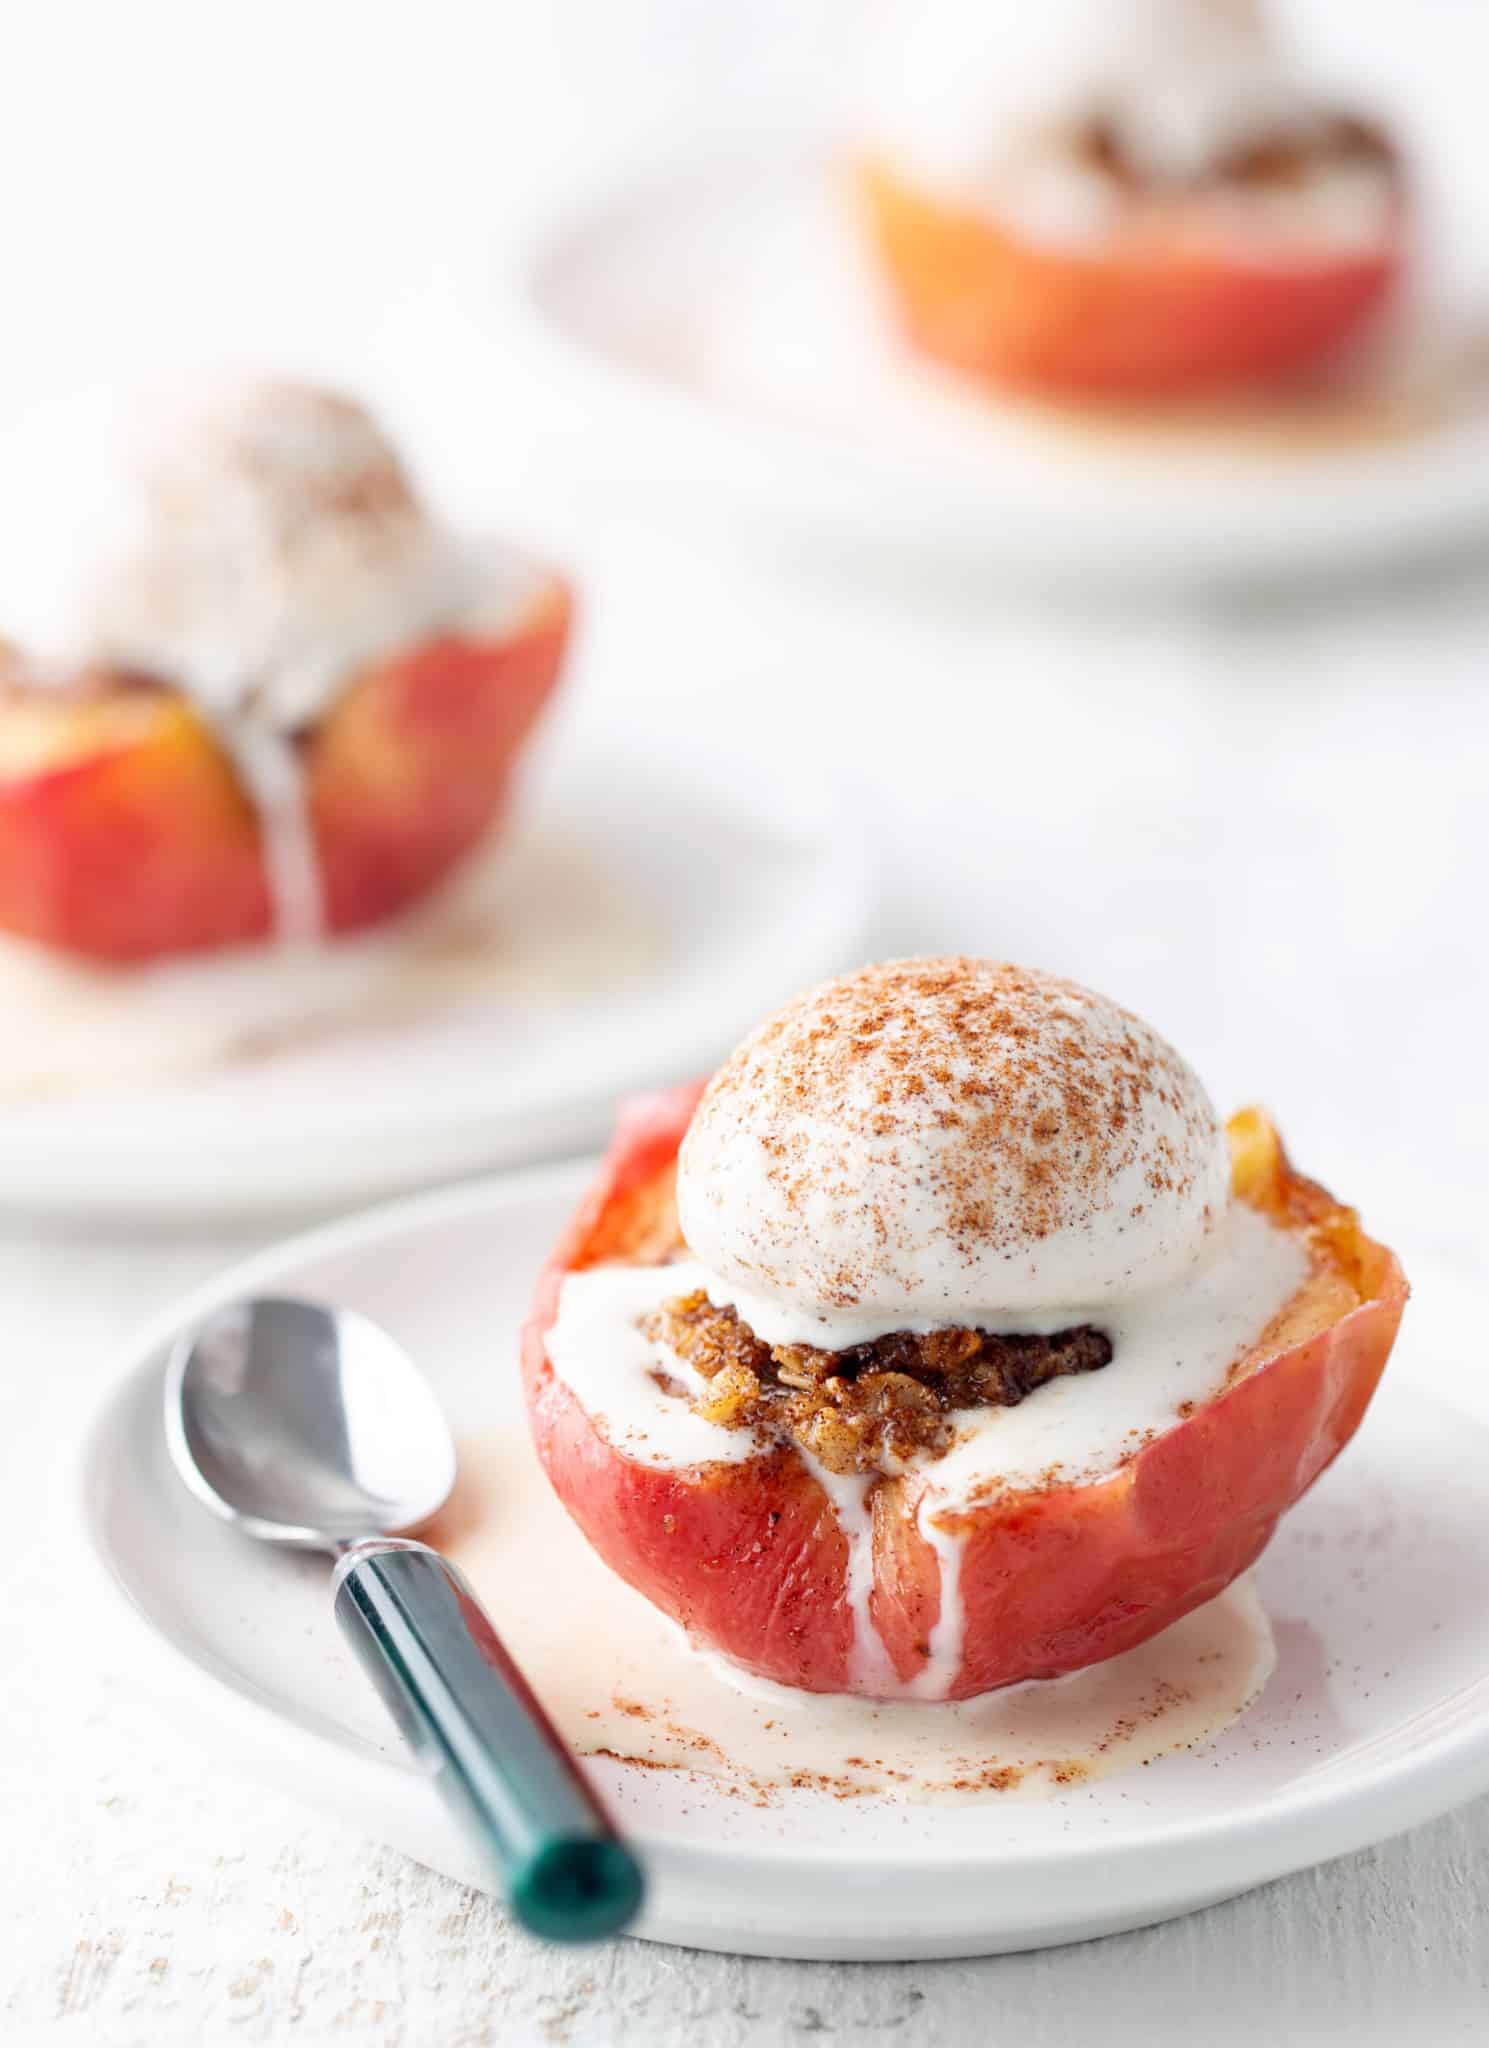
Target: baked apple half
[
  {"x": 1144, "y": 205},
  {"x": 1175, "y": 296},
  {"x": 973, "y": 1352},
  {"x": 302, "y": 703},
  {"x": 129, "y": 832}
]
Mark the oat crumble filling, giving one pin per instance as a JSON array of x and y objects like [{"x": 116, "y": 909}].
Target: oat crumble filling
[
  {"x": 1278, "y": 161},
  {"x": 872, "y": 1407}
]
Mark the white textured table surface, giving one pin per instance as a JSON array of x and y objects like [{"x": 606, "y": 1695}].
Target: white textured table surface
[{"x": 1268, "y": 830}]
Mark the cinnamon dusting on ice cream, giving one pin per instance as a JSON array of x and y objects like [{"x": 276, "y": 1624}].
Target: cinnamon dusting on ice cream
[{"x": 933, "y": 1138}]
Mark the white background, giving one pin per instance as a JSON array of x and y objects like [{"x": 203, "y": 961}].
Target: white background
[{"x": 1263, "y": 824}]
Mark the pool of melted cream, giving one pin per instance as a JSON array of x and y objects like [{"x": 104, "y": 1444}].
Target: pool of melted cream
[
  {"x": 535, "y": 917},
  {"x": 620, "y": 1681}
]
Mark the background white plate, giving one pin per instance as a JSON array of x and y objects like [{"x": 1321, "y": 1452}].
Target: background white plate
[
  {"x": 742, "y": 885},
  {"x": 718, "y": 319},
  {"x": 1377, "y": 1716}
]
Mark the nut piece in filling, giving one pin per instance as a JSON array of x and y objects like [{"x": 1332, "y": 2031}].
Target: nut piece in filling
[
  {"x": 944, "y": 1339},
  {"x": 298, "y": 705},
  {"x": 1120, "y": 198}
]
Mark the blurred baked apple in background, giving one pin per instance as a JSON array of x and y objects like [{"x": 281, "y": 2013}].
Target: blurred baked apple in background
[
  {"x": 301, "y": 699},
  {"x": 1120, "y": 198}
]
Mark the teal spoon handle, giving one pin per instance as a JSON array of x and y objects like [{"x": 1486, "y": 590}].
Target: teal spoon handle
[{"x": 464, "y": 1707}]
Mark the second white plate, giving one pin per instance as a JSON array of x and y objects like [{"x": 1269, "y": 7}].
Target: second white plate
[
  {"x": 650, "y": 899},
  {"x": 717, "y": 318}
]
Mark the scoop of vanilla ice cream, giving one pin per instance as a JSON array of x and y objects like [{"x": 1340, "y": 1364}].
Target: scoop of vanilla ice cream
[
  {"x": 943, "y": 1142},
  {"x": 277, "y": 544},
  {"x": 954, "y": 90}
]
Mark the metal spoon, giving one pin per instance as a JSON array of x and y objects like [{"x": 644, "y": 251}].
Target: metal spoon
[{"x": 311, "y": 1427}]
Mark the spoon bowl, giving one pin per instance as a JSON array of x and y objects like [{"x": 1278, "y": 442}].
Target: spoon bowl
[{"x": 306, "y": 1425}]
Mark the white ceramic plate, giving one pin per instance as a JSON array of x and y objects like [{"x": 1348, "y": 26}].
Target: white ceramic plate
[
  {"x": 715, "y": 313},
  {"x": 656, "y": 897},
  {"x": 1377, "y": 1716}
]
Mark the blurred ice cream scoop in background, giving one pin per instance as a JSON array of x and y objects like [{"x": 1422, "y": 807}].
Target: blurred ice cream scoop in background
[
  {"x": 279, "y": 542},
  {"x": 1139, "y": 197},
  {"x": 1180, "y": 84}
]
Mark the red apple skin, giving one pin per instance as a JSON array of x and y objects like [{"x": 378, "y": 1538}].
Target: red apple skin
[
  {"x": 749, "y": 1559},
  {"x": 128, "y": 837},
  {"x": 413, "y": 766},
  {"x": 1139, "y": 318}
]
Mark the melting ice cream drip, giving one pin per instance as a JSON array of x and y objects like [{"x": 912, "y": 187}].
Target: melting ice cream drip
[
  {"x": 957, "y": 89},
  {"x": 938, "y": 1674},
  {"x": 271, "y": 770},
  {"x": 851, "y": 1498}
]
